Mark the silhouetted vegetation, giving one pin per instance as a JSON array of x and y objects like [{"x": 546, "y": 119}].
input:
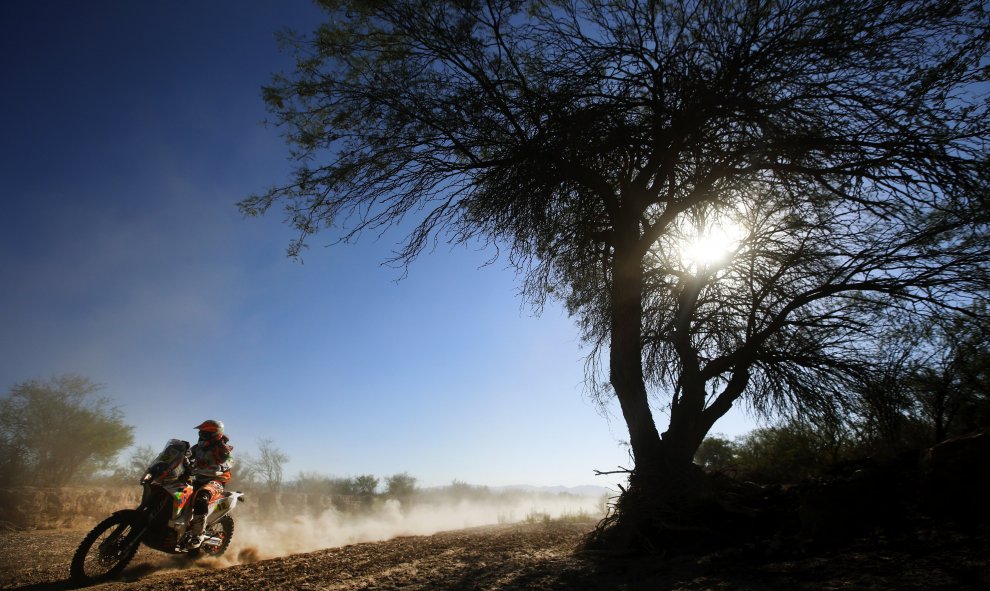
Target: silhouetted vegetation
[
  {"x": 932, "y": 382},
  {"x": 54, "y": 430},
  {"x": 785, "y": 453},
  {"x": 838, "y": 148}
]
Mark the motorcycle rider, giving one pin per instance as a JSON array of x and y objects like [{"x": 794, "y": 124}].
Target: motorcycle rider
[{"x": 211, "y": 461}]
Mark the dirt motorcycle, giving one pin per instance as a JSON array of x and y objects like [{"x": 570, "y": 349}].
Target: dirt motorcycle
[{"x": 160, "y": 521}]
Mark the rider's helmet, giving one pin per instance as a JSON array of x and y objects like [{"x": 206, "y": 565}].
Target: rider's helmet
[{"x": 210, "y": 431}]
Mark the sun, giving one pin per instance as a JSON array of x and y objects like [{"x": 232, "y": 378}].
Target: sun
[
  {"x": 706, "y": 250},
  {"x": 710, "y": 247}
]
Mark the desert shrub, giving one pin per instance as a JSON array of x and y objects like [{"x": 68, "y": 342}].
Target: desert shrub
[
  {"x": 791, "y": 451},
  {"x": 400, "y": 486},
  {"x": 311, "y": 483}
]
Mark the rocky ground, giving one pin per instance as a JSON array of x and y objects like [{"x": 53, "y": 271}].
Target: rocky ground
[{"x": 536, "y": 556}]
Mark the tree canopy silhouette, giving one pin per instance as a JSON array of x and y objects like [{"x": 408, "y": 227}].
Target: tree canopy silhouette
[{"x": 831, "y": 155}]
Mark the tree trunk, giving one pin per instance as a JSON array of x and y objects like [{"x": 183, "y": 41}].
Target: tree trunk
[
  {"x": 691, "y": 417},
  {"x": 626, "y": 357},
  {"x": 668, "y": 496},
  {"x": 688, "y": 426},
  {"x": 660, "y": 463},
  {"x": 655, "y": 458}
]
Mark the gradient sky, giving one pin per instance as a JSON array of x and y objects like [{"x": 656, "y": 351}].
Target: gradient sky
[{"x": 130, "y": 131}]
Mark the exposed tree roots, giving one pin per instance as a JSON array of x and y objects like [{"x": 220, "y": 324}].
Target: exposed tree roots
[{"x": 689, "y": 512}]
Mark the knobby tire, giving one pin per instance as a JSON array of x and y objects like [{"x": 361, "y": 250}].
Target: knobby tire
[{"x": 107, "y": 549}]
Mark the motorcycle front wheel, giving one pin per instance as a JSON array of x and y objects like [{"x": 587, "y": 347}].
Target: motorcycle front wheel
[{"x": 107, "y": 549}]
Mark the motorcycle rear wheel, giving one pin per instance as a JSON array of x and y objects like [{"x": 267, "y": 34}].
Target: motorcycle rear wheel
[
  {"x": 223, "y": 528},
  {"x": 107, "y": 549}
]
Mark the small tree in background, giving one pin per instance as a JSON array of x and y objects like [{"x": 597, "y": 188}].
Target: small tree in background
[
  {"x": 53, "y": 430},
  {"x": 716, "y": 454},
  {"x": 246, "y": 471},
  {"x": 400, "y": 486},
  {"x": 129, "y": 471},
  {"x": 950, "y": 376},
  {"x": 342, "y": 486},
  {"x": 139, "y": 461},
  {"x": 311, "y": 483},
  {"x": 365, "y": 486},
  {"x": 271, "y": 464}
]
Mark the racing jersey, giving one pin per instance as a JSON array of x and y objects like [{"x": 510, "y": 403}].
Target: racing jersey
[{"x": 212, "y": 461}]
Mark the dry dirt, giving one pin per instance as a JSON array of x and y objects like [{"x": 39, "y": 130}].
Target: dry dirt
[{"x": 536, "y": 556}]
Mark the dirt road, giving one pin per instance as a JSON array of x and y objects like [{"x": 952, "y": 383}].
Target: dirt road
[
  {"x": 495, "y": 557},
  {"x": 533, "y": 557}
]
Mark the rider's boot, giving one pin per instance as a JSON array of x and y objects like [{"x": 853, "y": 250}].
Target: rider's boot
[{"x": 196, "y": 528}]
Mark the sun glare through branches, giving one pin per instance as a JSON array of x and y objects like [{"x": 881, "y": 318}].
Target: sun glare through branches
[{"x": 705, "y": 246}]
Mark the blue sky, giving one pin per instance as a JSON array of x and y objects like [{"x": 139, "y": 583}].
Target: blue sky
[{"x": 131, "y": 129}]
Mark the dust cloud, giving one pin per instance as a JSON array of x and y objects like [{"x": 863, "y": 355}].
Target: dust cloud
[{"x": 256, "y": 539}]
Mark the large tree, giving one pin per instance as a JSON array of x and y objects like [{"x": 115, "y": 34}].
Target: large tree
[
  {"x": 832, "y": 154},
  {"x": 53, "y": 430}
]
